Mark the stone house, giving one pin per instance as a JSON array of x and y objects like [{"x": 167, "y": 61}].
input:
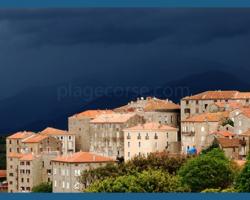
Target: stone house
[
  {"x": 108, "y": 137},
  {"x": 203, "y": 102},
  {"x": 67, "y": 138},
  {"x": 79, "y": 124},
  {"x": 67, "y": 170},
  {"x": 154, "y": 110},
  {"x": 196, "y": 129},
  {"x": 150, "y": 137}
]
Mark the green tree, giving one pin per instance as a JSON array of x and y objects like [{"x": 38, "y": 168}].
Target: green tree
[
  {"x": 228, "y": 121},
  {"x": 146, "y": 181},
  {"x": 156, "y": 161},
  {"x": 210, "y": 170},
  {"x": 43, "y": 188},
  {"x": 243, "y": 180}
]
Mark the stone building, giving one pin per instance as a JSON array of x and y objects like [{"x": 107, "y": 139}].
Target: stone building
[
  {"x": 196, "y": 129},
  {"x": 28, "y": 160},
  {"x": 230, "y": 146},
  {"x": 67, "y": 138},
  {"x": 108, "y": 137},
  {"x": 150, "y": 137},
  {"x": 202, "y": 102},
  {"x": 67, "y": 169},
  {"x": 154, "y": 110},
  {"x": 79, "y": 124}
]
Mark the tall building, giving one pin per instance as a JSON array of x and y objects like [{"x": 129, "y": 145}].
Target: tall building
[
  {"x": 150, "y": 137},
  {"x": 79, "y": 124},
  {"x": 67, "y": 170},
  {"x": 29, "y": 159},
  {"x": 108, "y": 137}
]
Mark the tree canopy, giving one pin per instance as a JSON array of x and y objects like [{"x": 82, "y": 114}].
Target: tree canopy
[
  {"x": 243, "y": 180},
  {"x": 146, "y": 181},
  {"x": 43, "y": 188},
  {"x": 210, "y": 170}
]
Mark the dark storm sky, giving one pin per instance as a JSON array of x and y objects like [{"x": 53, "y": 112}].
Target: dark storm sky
[{"x": 119, "y": 46}]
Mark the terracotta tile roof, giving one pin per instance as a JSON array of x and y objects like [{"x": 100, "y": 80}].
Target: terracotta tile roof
[
  {"x": 245, "y": 111},
  {"x": 213, "y": 95},
  {"x": 229, "y": 143},
  {"x": 3, "y": 174},
  {"x": 242, "y": 95},
  {"x": 14, "y": 155},
  {"x": 35, "y": 138},
  {"x": 83, "y": 157},
  {"x": 149, "y": 104},
  {"x": 219, "y": 95},
  {"x": 21, "y": 135},
  {"x": 91, "y": 113},
  {"x": 224, "y": 133},
  {"x": 233, "y": 105},
  {"x": 27, "y": 157},
  {"x": 210, "y": 117},
  {"x": 54, "y": 131},
  {"x": 113, "y": 118},
  {"x": 151, "y": 126}
]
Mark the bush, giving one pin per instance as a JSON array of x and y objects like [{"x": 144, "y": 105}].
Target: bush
[
  {"x": 146, "y": 181},
  {"x": 43, "y": 188},
  {"x": 243, "y": 180},
  {"x": 155, "y": 161},
  {"x": 210, "y": 170}
]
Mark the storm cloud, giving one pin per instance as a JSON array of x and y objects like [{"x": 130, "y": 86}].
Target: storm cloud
[{"x": 118, "y": 46}]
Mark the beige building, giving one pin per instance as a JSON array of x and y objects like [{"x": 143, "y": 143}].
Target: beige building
[
  {"x": 28, "y": 160},
  {"x": 154, "y": 110},
  {"x": 203, "y": 102},
  {"x": 150, "y": 137},
  {"x": 196, "y": 129},
  {"x": 79, "y": 124},
  {"x": 67, "y": 138},
  {"x": 108, "y": 137},
  {"x": 67, "y": 170}
]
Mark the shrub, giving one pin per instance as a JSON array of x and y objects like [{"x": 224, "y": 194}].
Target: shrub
[
  {"x": 211, "y": 170},
  {"x": 43, "y": 188}
]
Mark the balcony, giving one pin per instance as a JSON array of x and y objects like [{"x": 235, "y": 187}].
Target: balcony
[{"x": 188, "y": 133}]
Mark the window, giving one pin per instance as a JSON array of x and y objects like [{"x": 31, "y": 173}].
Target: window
[
  {"x": 202, "y": 129},
  {"x": 28, "y": 180},
  {"x": 63, "y": 184},
  {"x": 128, "y": 136},
  {"x": 172, "y": 118},
  {"x": 22, "y": 180},
  {"x": 63, "y": 172},
  {"x": 128, "y": 154},
  {"x": 70, "y": 137},
  {"x": 9, "y": 141},
  {"x": 139, "y": 144},
  {"x": 11, "y": 174},
  {"x": 55, "y": 183},
  {"x": 147, "y": 137},
  {"x": 54, "y": 171},
  {"x": 167, "y": 135},
  {"x": 240, "y": 123},
  {"x": 197, "y": 102},
  {"x": 27, "y": 163},
  {"x": 9, "y": 149},
  {"x": 128, "y": 144},
  {"x": 139, "y": 136},
  {"x": 156, "y": 136},
  {"x": 187, "y": 102},
  {"x": 67, "y": 185}
]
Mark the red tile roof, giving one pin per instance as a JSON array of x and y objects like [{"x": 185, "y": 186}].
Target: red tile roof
[
  {"x": 224, "y": 133},
  {"x": 54, "y": 131},
  {"x": 229, "y": 143},
  {"x": 210, "y": 117},
  {"x": 91, "y": 113},
  {"x": 14, "y": 155},
  {"x": 246, "y": 133},
  {"x": 3, "y": 174},
  {"x": 35, "y": 138},
  {"x": 113, "y": 118},
  {"x": 21, "y": 135},
  {"x": 151, "y": 126},
  {"x": 83, "y": 157},
  {"x": 245, "y": 111},
  {"x": 27, "y": 157},
  {"x": 223, "y": 95}
]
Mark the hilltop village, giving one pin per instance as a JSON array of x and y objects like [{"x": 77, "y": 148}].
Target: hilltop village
[{"x": 146, "y": 125}]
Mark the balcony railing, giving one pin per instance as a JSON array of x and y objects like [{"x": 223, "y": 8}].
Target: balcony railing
[{"x": 188, "y": 133}]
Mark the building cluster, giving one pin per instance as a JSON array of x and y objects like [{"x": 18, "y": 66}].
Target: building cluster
[{"x": 97, "y": 137}]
